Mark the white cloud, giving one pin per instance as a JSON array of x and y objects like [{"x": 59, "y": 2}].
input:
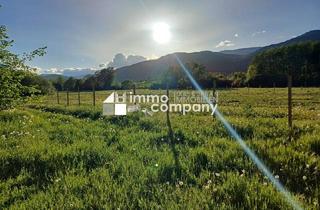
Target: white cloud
[
  {"x": 236, "y": 35},
  {"x": 37, "y": 69},
  {"x": 225, "y": 43},
  {"x": 121, "y": 60},
  {"x": 70, "y": 72},
  {"x": 51, "y": 71},
  {"x": 259, "y": 32},
  {"x": 78, "y": 72}
]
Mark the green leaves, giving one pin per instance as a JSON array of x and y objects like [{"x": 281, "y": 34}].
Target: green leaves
[
  {"x": 302, "y": 60},
  {"x": 13, "y": 71},
  {"x": 10, "y": 88}
]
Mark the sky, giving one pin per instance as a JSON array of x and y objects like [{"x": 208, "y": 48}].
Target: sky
[{"x": 82, "y": 34}]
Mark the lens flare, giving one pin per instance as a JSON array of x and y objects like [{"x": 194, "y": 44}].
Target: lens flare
[
  {"x": 161, "y": 33},
  {"x": 261, "y": 166}
]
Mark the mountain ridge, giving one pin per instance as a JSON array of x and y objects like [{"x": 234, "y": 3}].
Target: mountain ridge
[
  {"x": 241, "y": 51},
  {"x": 226, "y": 61}
]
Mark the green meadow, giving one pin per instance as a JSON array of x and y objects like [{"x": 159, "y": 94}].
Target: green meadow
[{"x": 54, "y": 156}]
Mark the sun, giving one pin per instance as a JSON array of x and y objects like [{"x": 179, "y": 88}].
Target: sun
[{"x": 161, "y": 33}]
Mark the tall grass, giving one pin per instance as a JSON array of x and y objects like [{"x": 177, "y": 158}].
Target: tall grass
[{"x": 58, "y": 157}]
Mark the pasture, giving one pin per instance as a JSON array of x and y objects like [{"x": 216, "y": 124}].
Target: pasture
[{"x": 71, "y": 157}]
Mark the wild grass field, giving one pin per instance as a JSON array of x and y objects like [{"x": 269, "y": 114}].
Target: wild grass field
[{"x": 71, "y": 157}]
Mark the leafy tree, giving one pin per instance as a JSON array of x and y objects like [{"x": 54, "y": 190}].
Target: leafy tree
[
  {"x": 89, "y": 83},
  {"x": 70, "y": 84},
  {"x": 200, "y": 73},
  {"x": 78, "y": 84},
  {"x": 238, "y": 79},
  {"x": 35, "y": 84},
  {"x": 127, "y": 84},
  {"x": 104, "y": 78},
  {"x": 10, "y": 87},
  {"x": 176, "y": 77},
  {"x": 58, "y": 83},
  {"x": 221, "y": 80},
  {"x": 12, "y": 72},
  {"x": 273, "y": 66}
]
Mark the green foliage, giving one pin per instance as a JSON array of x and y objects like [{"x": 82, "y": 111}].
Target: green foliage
[
  {"x": 16, "y": 79},
  {"x": 58, "y": 83},
  {"x": 70, "y": 84},
  {"x": 101, "y": 80},
  {"x": 238, "y": 79},
  {"x": 35, "y": 84},
  {"x": 10, "y": 88},
  {"x": 127, "y": 84},
  {"x": 104, "y": 78},
  {"x": 301, "y": 60},
  {"x": 176, "y": 78}
]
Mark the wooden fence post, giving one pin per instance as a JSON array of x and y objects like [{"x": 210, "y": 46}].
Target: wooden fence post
[
  {"x": 78, "y": 96},
  {"x": 58, "y": 97},
  {"x": 134, "y": 89},
  {"x": 67, "y": 97},
  {"x": 94, "y": 95},
  {"x": 170, "y": 131},
  {"x": 290, "y": 106}
]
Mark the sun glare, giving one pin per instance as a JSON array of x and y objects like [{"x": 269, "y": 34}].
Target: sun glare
[{"x": 161, "y": 33}]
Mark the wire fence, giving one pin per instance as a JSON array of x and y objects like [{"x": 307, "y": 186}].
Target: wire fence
[
  {"x": 70, "y": 98},
  {"x": 278, "y": 97}
]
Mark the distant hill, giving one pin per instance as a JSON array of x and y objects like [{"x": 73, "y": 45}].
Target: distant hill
[
  {"x": 77, "y": 73},
  {"x": 241, "y": 51},
  {"x": 53, "y": 76},
  {"x": 213, "y": 61},
  {"x": 309, "y": 36},
  {"x": 225, "y": 61}
]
